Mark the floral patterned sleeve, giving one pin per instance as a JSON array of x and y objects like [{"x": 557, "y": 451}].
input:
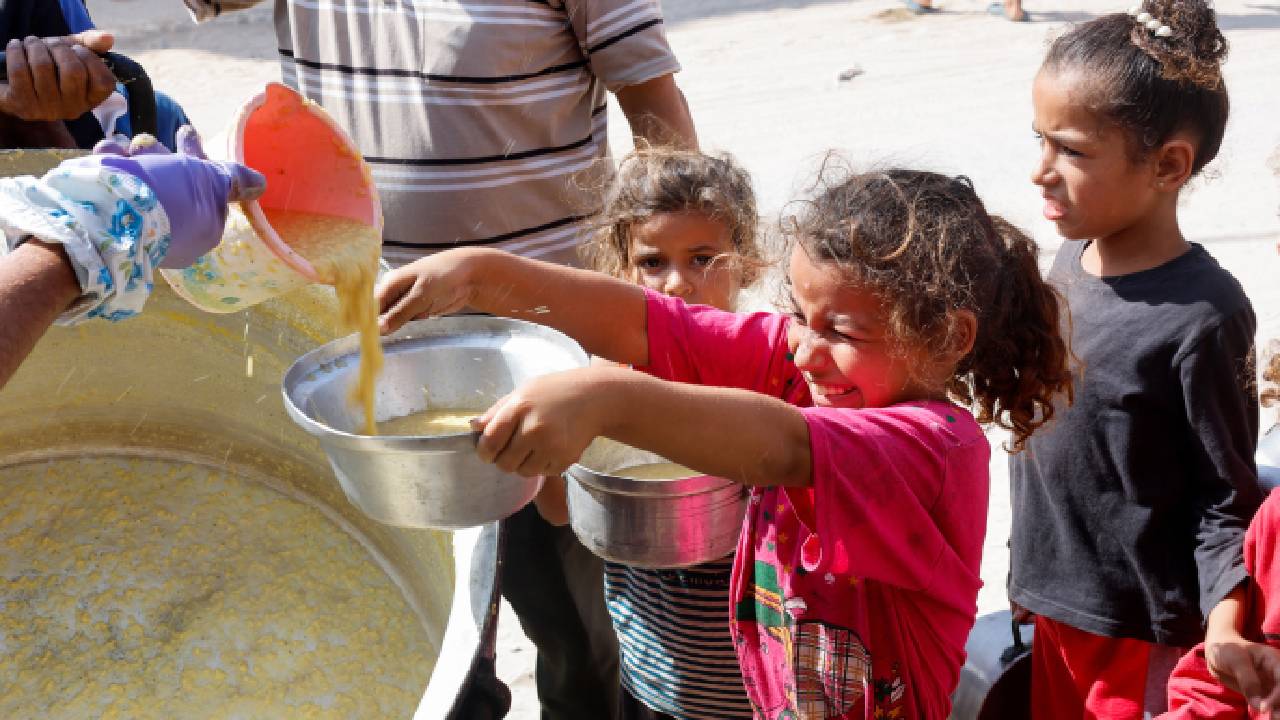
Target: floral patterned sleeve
[{"x": 114, "y": 231}]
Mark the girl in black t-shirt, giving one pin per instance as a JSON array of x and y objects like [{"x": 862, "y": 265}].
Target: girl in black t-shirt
[{"x": 1129, "y": 511}]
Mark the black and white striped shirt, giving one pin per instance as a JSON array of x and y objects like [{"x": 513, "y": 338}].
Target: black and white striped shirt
[
  {"x": 483, "y": 120},
  {"x": 673, "y": 635}
]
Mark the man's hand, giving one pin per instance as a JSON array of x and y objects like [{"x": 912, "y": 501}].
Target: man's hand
[{"x": 58, "y": 78}]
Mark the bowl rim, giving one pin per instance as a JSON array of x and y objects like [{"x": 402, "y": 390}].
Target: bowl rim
[
  {"x": 674, "y": 487},
  {"x": 607, "y": 482},
  {"x": 445, "y": 327}
]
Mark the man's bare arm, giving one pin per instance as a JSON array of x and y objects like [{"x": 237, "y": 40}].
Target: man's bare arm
[
  {"x": 658, "y": 113},
  {"x": 36, "y": 285}
]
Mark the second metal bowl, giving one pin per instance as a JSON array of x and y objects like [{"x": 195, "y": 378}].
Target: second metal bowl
[{"x": 651, "y": 523}]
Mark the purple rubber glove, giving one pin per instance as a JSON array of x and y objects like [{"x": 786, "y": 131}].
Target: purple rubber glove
[{"x": 193, "y": 190}]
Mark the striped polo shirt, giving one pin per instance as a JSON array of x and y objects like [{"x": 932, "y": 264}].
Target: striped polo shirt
[
  {"x": 673, "y": 636},
  {"x": 483, "y": 121}
]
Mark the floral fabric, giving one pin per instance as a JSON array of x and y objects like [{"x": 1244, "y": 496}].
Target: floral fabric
[{"x": 110, "y": 224}]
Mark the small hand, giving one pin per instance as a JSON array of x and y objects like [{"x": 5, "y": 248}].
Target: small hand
[
  {"x": 430, "y": 287},
  {"x": 1251, "y": 669},
  {"x": 193, "y": 190},
  {"x": 57, "y": 78},
  {"x": 543, "y": 427}
]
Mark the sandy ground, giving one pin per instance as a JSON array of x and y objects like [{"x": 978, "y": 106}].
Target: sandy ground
[{"x": 949, "y": 92}]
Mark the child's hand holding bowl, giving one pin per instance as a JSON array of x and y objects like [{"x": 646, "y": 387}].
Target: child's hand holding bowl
[{"x": 544, "y": 426}]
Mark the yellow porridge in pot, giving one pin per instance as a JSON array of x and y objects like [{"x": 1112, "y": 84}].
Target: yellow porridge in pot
[{"x": 138, "y": 588}]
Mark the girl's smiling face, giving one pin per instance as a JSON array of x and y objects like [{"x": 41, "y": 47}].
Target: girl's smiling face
[
  {"x": 686, "y": 255},
  {"x": 839, "y": 341},
  {"x": 1092, "y": 187}
]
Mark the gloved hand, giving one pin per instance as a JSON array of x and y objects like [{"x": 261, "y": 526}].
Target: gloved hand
[
  {"x": 193, "y": 190},
  {"x": 118, "y": 214}
]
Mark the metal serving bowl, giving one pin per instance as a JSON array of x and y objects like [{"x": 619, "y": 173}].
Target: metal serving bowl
[
  {"x": 464, "y": 362},
  {"x": 651, "y": 523}
]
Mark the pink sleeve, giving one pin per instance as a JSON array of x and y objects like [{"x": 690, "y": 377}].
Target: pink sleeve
[
  {"x": 899, "y": 496},
  {"x": 1194, "y": 693},
  {"x": 702, "y": 345},
  {"x": 1260, "y": 542}
]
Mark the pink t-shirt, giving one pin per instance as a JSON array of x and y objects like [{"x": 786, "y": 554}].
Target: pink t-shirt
[{"x": 852, "y": 598}]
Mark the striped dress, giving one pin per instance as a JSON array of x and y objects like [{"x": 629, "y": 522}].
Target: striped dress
[
  {"x": 483, "y": 120},
  {"x": 673, "y": 634}
]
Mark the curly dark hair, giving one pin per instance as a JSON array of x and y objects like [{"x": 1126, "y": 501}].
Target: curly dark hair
[
  {"x": 1153, "y": 85},
  {"x": 657, "y": 180},
  {"x": 924, "y": 243}
]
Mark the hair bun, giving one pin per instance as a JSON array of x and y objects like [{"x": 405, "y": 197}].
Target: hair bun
[{"x": 1193, "y": 49}]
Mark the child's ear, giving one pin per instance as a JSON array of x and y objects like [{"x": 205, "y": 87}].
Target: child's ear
[
  {"x": 1173, "y": 163},
  {"x": 964, "y": 333}
]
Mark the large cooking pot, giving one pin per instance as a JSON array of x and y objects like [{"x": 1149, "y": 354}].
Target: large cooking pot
[
  {"x": 204, "y": 389},
  {"x": 995, "y": 682},
  {"x": 178, "y": 385},
  {"x": 174, "y": 385}
]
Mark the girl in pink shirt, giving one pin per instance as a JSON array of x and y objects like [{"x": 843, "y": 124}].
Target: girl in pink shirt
[{"x": 856, "y": 577}]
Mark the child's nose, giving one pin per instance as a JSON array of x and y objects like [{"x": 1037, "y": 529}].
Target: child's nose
[
  {"x": 677, "y": 285},
  {"x": 1042, "y": 174},
  {"x": 807, "y": 353}
]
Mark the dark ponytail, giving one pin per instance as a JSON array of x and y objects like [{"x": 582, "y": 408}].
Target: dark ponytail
[
  {"x": 926, "y": 245},
  {"x": 1151, "y": 81}
]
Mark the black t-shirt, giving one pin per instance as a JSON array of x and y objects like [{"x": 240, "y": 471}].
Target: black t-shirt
[{"x": 1130, "y": 507}]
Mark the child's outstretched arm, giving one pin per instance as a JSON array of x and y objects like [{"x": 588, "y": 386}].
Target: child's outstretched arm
[
  {"x": 605, "y": 315},
  {"x": 543, "y": 427},
  {"x": 1251, "y": 669}
]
